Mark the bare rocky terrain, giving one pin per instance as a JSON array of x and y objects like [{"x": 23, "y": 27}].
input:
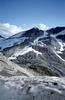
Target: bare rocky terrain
[{"x": 32, "y": 65}]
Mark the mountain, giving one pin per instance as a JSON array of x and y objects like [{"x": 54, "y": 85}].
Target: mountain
[
  {"x": 40, "y": 51},
  {"x": 32, "y": 65},
  {"x": 24, "y": 38}
]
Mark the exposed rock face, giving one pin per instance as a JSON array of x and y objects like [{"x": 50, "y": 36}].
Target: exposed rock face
[
  {"x": 8, "y": 68},
  {"x": 47, "y": 60},
  {"x": 34, "y": 49}
]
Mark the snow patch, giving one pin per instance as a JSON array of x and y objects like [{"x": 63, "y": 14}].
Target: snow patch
[
  {"x": 60, "y": 33},
  {"x": 59, "y": 43},
  {"x": 58, "y": 56},
  {"x": 36, "y": 41},
  {"x": 24, "y": 51}
]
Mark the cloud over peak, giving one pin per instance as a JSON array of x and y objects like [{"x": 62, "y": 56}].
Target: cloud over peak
[{"x": 43, "y": 27}]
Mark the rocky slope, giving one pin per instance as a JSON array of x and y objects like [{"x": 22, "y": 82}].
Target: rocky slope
[
  {"x": 41, "y": 51},
  {"x": 8, "y": 68},
  {"x": 34, "y": 88}
]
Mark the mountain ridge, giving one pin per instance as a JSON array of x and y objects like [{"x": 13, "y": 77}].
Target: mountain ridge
[{"x": 40, "y": 47}]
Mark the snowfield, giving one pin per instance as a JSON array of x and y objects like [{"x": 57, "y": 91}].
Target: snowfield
[{"x": 32, "y": 88}]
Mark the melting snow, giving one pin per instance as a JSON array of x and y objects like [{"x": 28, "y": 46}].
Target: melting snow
[
  {"x": 60, "y": 33},
  {"x": 60, "y": 43},
  {"x": 24, "y": 51},
  {"x": 58, "y": 56},
  {"x": 36, "y": 41}
]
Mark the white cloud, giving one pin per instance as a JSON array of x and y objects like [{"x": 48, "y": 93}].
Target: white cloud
[
  {"x": 43, "y": 27},
  {"x": 40, "y": 26},
  {"x": 10, "y": 29}
]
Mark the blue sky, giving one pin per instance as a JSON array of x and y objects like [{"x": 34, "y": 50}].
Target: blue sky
[{"x": 31, "y": 12}]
